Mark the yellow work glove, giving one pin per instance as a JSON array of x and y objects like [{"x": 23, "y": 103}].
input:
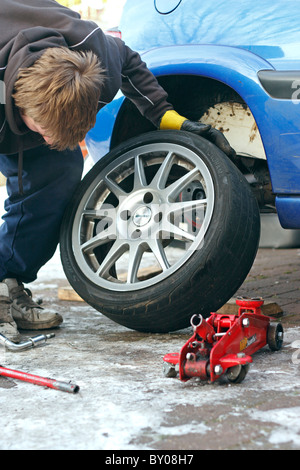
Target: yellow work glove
[{"x": 172, "y": 120}]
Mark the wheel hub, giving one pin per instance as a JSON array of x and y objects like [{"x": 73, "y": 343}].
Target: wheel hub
[{"x": 142, "y": 216}]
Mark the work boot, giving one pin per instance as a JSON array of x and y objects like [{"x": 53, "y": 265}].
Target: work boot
[
  {"x": 27, "y": 314},
  {"x": 8, "y": 326}
]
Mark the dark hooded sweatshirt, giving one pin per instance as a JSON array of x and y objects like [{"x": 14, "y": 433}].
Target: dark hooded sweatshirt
[{"x": 29, "y": 27}]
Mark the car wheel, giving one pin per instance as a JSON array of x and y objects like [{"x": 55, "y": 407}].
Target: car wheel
[{"x": 163, "y": 227}]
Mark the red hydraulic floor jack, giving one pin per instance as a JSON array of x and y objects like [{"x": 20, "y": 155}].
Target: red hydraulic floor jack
[{"x": 224, "y": 344}]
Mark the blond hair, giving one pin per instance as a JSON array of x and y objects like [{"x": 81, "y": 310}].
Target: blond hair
[{"x": 60, "y": 92}]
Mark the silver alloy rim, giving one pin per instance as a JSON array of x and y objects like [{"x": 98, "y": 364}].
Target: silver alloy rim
[{"x": 143, "y": 217}]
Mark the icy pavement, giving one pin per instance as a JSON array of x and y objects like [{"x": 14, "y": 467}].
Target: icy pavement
[{"x": 125, "y": 403}]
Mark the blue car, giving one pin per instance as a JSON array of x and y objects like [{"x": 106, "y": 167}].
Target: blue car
[{"x": 180, "y": 234}]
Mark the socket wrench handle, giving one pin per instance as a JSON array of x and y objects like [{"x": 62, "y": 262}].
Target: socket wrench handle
[{"x": 28, "y": 344}]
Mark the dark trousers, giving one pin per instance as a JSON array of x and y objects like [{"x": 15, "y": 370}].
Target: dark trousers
[{"x": 29, "y": 234}]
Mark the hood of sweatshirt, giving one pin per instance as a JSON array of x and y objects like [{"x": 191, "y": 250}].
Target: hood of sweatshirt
[{"x": 28, "y": 28}]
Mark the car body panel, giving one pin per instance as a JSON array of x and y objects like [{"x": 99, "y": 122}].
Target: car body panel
[
  {"x": 267, "y": 28},
  {"x": 98, "y": 140},
  {"x": 288, "y": 208},
  {"x": 230, "y": 42}
]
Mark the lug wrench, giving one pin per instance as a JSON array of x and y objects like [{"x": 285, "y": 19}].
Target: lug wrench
[
  {"x": 28, "y": 344},
  {"x": 43, "y": 381},
  {"x": 34, "y": 379}
]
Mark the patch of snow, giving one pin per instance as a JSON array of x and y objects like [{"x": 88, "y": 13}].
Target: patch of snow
[{"x": 288, "y": 421}]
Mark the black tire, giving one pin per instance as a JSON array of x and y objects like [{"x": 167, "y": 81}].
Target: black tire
[{"x": 206, "y": 276}]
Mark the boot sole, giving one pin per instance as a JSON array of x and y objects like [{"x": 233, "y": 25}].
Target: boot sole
[{"x": 27, "y": 325}]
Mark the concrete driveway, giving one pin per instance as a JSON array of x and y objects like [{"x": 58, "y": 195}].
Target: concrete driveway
[{"x": 125, "y": 403}]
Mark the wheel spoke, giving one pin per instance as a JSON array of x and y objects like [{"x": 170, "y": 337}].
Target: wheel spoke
[
  {"x": 92, "y": 214},
  {"x": 116, "y": 251},
  {"x": 184, "y": 206},
  {"x": 170, "y": 231},
  {"x": 160, "y": 179},
  {"x": 114, "y": 188},
  {"x": 172, "y": 191},
  {"x": 100, "y": 239},
  {"x": 139, "y": 173},
  {"x": 106, "y": 211},
  {"x": 135, "y": 255},
  {"x": 157, "y": 249}
]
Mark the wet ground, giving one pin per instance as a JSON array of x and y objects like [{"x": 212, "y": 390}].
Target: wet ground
[{"x": 125, "y": 402}]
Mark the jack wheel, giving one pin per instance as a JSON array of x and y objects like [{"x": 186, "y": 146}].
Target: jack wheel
[
  {"x": 275, "y": 336},
  {"x": 237, "y": 373}
]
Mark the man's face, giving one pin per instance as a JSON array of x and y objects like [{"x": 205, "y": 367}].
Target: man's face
[{"x": 33, "y": 126}]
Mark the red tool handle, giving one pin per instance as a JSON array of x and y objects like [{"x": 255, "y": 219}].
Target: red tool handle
[{"x": 43, "y": 381}]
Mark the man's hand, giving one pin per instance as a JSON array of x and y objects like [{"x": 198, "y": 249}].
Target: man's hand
[
  {"x": 173, "y": 120},
  {"x": 209, "y": 133}
]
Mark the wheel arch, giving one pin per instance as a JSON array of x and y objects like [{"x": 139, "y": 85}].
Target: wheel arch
[
  {"x": 218, "y": 85},
  {"x": 230, "y": 67},
  {"x": 200, "y": 98},
  {"x": 217, "y": 73}
]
